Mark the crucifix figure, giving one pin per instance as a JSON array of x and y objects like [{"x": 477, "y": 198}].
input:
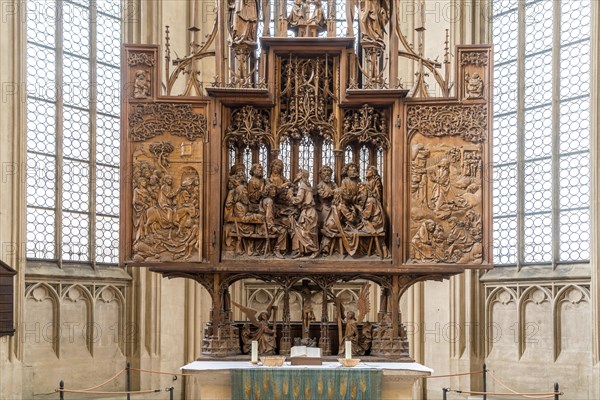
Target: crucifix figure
[{"x": 306, "y": 291}]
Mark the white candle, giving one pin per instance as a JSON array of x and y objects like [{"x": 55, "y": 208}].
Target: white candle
[
  {"x": 254, "y": 352},
  {"x": 348, "y": 349}
]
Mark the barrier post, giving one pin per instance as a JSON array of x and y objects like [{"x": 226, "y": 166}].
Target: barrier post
[
  {"x": 61, "y": 394},
  {"x": 128, "y": 368},
  {"x": 484, "y": 382},
  {"x": 171, "y": 394},
  {"x": 556, "y": 392},
  {"x": 445, "y": 393}
]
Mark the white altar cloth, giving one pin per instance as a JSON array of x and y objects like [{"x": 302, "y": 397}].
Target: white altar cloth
[{"x": 389, "y": 367}]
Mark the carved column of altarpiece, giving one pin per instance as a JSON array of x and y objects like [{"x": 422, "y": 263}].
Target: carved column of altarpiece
[{"x": 305, "y": 180}]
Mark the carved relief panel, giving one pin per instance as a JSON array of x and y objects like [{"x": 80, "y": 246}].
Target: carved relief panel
[
  {"x": 291, "y": 192},
  {"x": 141, "y": 73},
  {"x": 162, "y": 181},
  {"x": 447, "y": 183},
  {"x": 474, "y": 72}
]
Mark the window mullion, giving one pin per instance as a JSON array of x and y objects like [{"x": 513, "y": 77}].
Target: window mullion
[
  {"x": 556, "y": 54},
  {"x": 521, "y": 136},
  {"x": 59, "y": 131},
  {"x": 93, "y": 107}
]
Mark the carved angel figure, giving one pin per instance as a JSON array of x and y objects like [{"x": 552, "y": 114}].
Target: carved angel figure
[
  {"x": 352, "y": 320},
  {"x": 264, "y": 335}
]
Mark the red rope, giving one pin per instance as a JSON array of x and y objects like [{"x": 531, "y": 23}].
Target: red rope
[
  {"x": 538, "y": 395},
  {"x": 445, "y": 376},
  {"x": 90, "y": 392},
  {"x": 160, "y": 372}
]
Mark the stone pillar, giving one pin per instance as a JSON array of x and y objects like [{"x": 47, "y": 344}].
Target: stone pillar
[
  {"x": 595, "y": 191},
  {"x": 12, "y": 182}
]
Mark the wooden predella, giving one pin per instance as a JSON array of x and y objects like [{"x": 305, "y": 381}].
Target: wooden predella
[{"x": 306, "y": 164}]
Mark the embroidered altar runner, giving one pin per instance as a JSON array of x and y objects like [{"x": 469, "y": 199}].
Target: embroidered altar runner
[
  {"x": 301, "y": 383},
  {"x": 215, "y": 380}
]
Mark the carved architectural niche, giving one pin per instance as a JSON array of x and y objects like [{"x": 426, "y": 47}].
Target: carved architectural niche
[
  {"x": 97, "y": 316},
  {"x": 448, "y": 184},
  {"x": 541, "y": 316},
  {"x": 474, "y": 73},
  {"x": 141, "y": 73}
]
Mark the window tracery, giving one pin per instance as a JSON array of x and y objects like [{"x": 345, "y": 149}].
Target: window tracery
[
  {"x": 73, "y": 125},
  {"x": 541, "y": 132}
]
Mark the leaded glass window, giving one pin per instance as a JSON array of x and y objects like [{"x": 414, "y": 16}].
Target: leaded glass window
[
  {"x": 306, "y": 156},
  {"x": 364, "y": 161},
  {"x": 247, "y": 161},
  {"x": 380, "y": 161},
  {"x": 73, "y": 89},
  {"x": 348, "y": 155},
  {"x": 263, "y": 156},
  {"x": 286, "y": 156},
  {"x": 327, "y": 157},
  {"x": 541, "y": 131}
]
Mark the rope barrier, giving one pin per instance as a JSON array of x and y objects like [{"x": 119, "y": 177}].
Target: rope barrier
[
  {"x": 103, "y": 383},
  {"x": 538, "y": 395},
  {"x": 512, "y": 390},
  {"x": 97, "y": 392},
  {"x": 449, "y": 375},
  {"x": 160, "y": 372}
]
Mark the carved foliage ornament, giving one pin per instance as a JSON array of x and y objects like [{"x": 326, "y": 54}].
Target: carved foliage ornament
[
  {"x": 306, "y": 91},
  {"x": 477, "y": 58},
  {"x": 134, "y": 59},
  {"x": 366, "y": 125},
  {"x": 468, "y": 122},
  {"x": 150, "y": 120},
  {"x": 249, "y": 126}
]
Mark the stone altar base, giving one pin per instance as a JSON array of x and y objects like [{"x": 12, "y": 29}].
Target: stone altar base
[{"x": 214, "y": 377}]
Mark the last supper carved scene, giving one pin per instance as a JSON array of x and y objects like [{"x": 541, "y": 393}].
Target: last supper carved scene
[{"x": 285, "y": 156}]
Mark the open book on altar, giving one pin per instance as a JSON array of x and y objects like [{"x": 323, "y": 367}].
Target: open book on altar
[
  {"x": 303, "y": 355},
  {"x": 303, "y": 351}
]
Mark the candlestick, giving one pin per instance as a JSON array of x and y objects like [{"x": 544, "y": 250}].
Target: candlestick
[
  {"x": 348, "y": 349},
  {"x": 254, "y": 359}
]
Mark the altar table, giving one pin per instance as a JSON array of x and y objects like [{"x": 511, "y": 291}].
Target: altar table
[{"x": 214, "y": 379}]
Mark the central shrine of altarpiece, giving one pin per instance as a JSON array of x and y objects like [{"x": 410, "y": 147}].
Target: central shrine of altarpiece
[{"x": 305, "y": 168}]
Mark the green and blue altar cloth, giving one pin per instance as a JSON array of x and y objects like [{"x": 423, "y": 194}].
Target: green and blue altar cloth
[{"x": 302, "y": 383}]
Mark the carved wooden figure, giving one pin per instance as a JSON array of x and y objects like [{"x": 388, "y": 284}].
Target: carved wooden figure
[
  {"x": 305, "y": 165},
  {"x": 361, "y": 340},
  {"x": 264, "y": 334}
]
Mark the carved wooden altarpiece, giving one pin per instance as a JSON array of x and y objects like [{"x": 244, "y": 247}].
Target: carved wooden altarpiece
[{"x": 305, "y": 165}]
